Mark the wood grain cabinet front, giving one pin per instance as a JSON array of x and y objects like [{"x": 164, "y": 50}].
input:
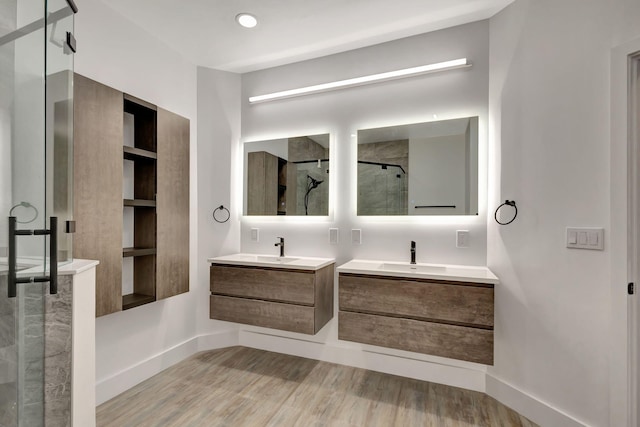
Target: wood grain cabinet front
[
  {"x": 131, "y": 183},
  {"x": 287, "y": 299},
  {"x": 442, "y": 318}
]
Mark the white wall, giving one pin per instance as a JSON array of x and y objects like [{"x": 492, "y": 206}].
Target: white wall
[
  {"x": 218, "y": 157},
  {"x": 115, "y": 52},
  {"x": 453, "y": 94},
  {"x": 550, "y": 135}
]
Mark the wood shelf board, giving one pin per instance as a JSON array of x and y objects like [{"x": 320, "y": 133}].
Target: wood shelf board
[
  {"x": 132, "y": 153},
  {"x": 139, "y": 203},
  {"x": 136, "y": 300},
  {"x": 130, "y": 100},
  {"x": 138, "y": 251}
]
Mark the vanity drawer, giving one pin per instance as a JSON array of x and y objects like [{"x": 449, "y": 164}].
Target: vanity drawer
[
  {"x": 457, "y": 342},
  {"x": 288, "y": 317},
  {"x": 451, "y": 302},
  {"x": 269, "y": 284}
]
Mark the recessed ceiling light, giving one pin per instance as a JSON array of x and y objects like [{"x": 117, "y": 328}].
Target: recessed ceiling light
[{"x": 247, "y": 20}]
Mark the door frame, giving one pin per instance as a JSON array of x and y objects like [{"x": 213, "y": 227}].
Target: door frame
[{"x": 624, "y": 240}]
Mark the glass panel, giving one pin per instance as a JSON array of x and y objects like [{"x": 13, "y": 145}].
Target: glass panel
[
  {"x": 22, "y": 53},
  {"x": 59, "y": 127},
  {"x": 382, "y": 189},
  {"x": 25, "y": 42}
]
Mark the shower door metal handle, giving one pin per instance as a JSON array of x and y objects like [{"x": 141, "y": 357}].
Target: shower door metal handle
[
  {"x": 53, "y": 255},
  {"x": 13, "y": 280}
]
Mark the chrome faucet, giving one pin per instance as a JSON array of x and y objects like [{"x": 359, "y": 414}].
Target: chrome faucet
[
  {"x": 413, "y": 252},
  {"x": 281, "y": 244}
]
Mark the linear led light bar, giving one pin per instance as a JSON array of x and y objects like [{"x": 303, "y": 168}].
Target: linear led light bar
[{"x": 357, "y": 81}]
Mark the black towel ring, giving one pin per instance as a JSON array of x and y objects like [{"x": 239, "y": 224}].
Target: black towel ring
[
  {"x": 25, "y": 205},
  {"x": 221, "y": 208},
  {"x": 506, "y": 203}
]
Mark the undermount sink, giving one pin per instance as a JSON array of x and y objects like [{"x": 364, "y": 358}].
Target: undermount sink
[
  {"x": 413, "y": 268},
  {"x": 275, "y": 259}
]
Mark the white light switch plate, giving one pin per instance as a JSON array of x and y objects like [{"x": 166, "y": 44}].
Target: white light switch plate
[
  {"x": 333, "y": 236},
  {"x": 255, "y": 234},
  {"x": 356, "y": 236},
  {"x": 462, "y": 238},
  {"x": 585, "y": 238}
]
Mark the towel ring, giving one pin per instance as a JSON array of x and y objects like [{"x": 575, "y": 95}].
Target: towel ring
[
  {"x": 25, "y": 205},
  {"x": 511, "y": 203},
  {"x": 221, "y": 208}
]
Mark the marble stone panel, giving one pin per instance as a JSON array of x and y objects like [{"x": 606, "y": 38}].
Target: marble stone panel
[
  {"x": 57, "y": 355},
  {"x": 8, "y": 358}
]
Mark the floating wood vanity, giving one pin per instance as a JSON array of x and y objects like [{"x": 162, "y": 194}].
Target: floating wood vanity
[
  {"x": 445, "y": 311},
  {"x": 291, "y": 294}
]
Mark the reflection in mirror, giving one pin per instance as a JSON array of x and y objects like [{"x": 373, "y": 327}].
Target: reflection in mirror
[
  {"x": 426, "y": 168},
  {"x": 288, "y": 176}
]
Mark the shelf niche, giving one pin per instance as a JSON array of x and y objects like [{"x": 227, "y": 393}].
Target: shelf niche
[{"x": 139, "y": 202}]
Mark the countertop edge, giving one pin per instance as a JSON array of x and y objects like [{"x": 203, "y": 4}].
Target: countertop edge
[
  {"x": 346, "y": 268},
  {"x": 321, "y": 262}
]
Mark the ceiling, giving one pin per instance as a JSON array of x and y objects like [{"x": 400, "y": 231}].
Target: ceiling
[{"x": 288, "y": 31}]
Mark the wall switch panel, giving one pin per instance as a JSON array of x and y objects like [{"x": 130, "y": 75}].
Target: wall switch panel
[
  {"x": 462, "y": 238},
  {"x": 356, "y": 237},
  {"x": 333, "y": 236},
  {"x": 585, "y": 238},
  {"x": 255, "y": 234}
]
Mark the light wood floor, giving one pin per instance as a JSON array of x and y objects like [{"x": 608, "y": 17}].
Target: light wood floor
[{"x": 240, "y": 386}]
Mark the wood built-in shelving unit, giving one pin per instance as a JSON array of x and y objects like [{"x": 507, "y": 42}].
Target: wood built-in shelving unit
[
  {"x": 131, "y": 169},
  {"x": 144, "y": 156}
]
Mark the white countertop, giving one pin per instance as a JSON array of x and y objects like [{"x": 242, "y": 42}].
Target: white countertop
[
  {"x": 458, "y": 273},
  {"x": 273, "y": 261},
  {"x": 76, "y": 266}
]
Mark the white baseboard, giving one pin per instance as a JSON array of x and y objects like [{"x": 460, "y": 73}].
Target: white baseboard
[
  {"x": 457, "y": 374},
  {"x": 531, "y": 407},
  {"x": 110, "y": 387}
]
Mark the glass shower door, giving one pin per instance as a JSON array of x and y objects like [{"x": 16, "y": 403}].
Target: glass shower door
[
  {"x": 382, "y": 189},
  {"x": 30, "y": 47}
]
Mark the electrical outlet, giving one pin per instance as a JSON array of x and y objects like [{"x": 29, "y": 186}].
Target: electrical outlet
[
  {"x": 255, "y": 234},
  {"x": 356, "y": 237},
  {"x": 333, "y": 236},
  {"x": 462, "y": 238}
]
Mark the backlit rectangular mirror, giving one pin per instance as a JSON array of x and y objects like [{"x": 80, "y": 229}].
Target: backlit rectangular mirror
[
  {"x": 426, "y": 168},
  {"x": 287, "y": 176}
]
